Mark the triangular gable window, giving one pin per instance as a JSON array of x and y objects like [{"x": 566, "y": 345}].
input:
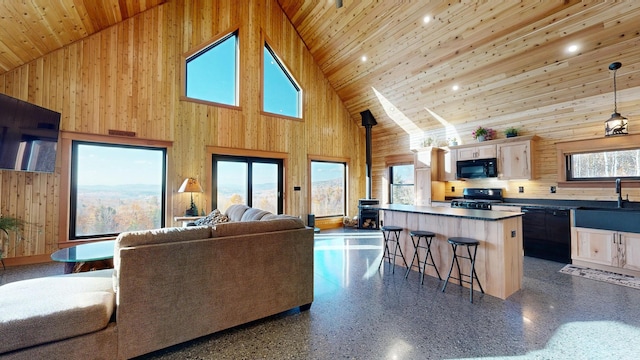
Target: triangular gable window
[
  {"x": 281, "y": 93},
  {"x": 212, "y": 73}
]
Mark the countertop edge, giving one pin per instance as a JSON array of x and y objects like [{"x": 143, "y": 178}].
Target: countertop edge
[{"x": 485, "y": 215}]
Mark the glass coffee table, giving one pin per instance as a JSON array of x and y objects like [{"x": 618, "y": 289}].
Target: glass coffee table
[{"x": 86, "y": 257}]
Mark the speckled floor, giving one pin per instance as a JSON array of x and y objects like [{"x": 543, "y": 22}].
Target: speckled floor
[{"x": 360, "y": 313}]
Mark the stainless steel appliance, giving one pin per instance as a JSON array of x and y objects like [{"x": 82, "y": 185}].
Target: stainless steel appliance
[
  {"x": 476, "y": 169},
  {"x": 478, "y": 199}
]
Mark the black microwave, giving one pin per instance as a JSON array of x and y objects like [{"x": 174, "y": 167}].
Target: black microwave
[{"x": 476, "y": 169}]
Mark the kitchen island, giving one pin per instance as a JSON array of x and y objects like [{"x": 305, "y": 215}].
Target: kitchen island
[{"x": 500, "y": 254}]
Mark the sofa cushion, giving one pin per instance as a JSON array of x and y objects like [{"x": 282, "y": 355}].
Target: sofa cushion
[
  {"x": 254, "y": 214},
  {"x": 257, "y": 226},
  {"x": 235, "y": 211},
  {"x": 164, "y": 235},
  {"x": 41, "y": 310},
  {"x": 214, "y": 217},
  {"x": 155, "y": 236}
]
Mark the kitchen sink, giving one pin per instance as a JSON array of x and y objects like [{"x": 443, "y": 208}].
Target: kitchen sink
[{"x": 608, "y": 218}]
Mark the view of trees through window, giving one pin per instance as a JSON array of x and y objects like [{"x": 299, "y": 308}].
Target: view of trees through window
[
  {"x": 328, "y": 188},
  {"x": 116, "y": 188},
  {"x": 605, "y": 164},
  {"x": 401, "y": 184},
  {"x": 254, "y": 182}
]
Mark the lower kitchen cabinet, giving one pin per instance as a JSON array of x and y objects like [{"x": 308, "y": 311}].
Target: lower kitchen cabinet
[{"x": 613, "y": 249}]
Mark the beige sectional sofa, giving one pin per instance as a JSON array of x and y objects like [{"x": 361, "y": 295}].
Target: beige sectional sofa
[{"x": 168, "y": 286}]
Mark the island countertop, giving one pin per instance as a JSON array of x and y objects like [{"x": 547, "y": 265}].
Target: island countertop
[
  {"x": 487, "y": 215},
  {"x": 499, "y": 257}
]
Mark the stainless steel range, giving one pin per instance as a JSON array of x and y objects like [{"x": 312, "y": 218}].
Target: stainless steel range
[{"x": 478, "y": 199}]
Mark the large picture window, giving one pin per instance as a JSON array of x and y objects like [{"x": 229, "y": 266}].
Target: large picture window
[
  {"x": 328, "y": 188},
  {"x": 115, "y": 188}
]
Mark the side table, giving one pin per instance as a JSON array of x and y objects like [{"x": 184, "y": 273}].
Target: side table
[
  {"x": 186, "y": 219},
  {"x": 86, "y": 257}
]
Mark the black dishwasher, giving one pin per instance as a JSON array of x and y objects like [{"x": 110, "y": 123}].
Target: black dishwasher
[{"x": 546, "y": 233}]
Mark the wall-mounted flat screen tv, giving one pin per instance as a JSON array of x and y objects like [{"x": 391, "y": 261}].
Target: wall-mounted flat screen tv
[{"x": 28, "y": 136}]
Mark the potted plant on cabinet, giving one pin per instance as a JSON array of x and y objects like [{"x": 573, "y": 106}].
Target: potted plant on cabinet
[
  {"x": 511, "y": 132},
  {"x": 482, "y": 134}
]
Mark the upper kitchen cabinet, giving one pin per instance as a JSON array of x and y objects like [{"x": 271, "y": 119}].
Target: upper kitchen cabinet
[
  {"x": 426, "y": 158},
  {"x": 466, "y": 152},
  {"x": 447, "y": 159},
  {"x": 515, "y": 158}
]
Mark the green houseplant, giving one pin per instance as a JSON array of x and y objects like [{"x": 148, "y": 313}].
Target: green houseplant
[
  {"x": 8, "y": 224},
  {"x": 511, "y": 132},
  {"x": 482, "y": 134}
]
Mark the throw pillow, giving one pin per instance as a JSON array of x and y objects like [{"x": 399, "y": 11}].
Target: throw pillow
[{"x": 215, "y": 217}]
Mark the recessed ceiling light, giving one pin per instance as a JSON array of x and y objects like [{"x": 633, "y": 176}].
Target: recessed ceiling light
[
  {"x": 455, "y": 87},
  {"x": 426, "y": 19},
  {"x": 572, "y": 48},
  {"x": 363, "y": 58}
]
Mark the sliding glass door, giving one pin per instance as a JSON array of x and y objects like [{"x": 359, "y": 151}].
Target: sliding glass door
[{"x": 255, "y": 182}]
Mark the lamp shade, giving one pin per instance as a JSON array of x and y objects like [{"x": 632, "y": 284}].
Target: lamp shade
[{"x": 190, "y": 185}]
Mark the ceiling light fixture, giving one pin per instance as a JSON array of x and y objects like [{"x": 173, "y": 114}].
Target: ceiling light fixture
[
  {"x": 455, "y": 87},
  {"x": 363, "y": 58},
  {"x": 572, "y": 48},
  {"x": 617, "y": 124},
  {"x": 426, "y": 19}
]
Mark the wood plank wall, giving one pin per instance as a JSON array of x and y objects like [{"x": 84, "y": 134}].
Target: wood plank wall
[{"x": 128, "y": 78}]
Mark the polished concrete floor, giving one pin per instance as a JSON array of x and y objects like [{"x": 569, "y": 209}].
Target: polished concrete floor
[{"x": 362, "y": 313}]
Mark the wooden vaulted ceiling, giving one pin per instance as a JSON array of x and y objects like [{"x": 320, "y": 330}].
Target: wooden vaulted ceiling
[
  {"x": 503, "y": 55},
  {"x": 30, "y": 29}
]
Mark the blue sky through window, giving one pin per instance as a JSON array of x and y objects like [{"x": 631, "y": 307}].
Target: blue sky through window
[
  {"x": 211, "y": 74},
  {"x": 281, "y": 95}
]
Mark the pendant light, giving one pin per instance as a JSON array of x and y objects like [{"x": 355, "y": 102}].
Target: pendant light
[{"x": 617, "y": 124}]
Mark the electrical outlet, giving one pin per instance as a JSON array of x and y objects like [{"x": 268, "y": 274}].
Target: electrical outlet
[
  {"x": 520, "y": 189},
  {"x": 513, "y": 233},
  {"x": 453, "y": 189},
  {"x": 552, "y": 189}
]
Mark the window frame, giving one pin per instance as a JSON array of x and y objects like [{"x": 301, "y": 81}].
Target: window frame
[
  {"x": 610, "y": 143},
  {"x": 219, "y": 38},
  {"x": 66, "y": 143},
  {"x": 391, "y": 183},
  {"x": 336, "y": 160},
  {"x": 249, "y": 160},
  {"x": 283, "y": 66}
]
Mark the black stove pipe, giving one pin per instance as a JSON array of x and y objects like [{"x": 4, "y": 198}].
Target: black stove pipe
[{"x": 368, "y": 121}]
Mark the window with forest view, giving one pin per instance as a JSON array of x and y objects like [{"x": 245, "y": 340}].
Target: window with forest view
[
  {"x": 255, "y": 182},
  {"x": 328, "y": 188},
  {"x": 401, "y": 187},
  {"x": 604, "y": 165},
  {"x": 116, "y": 188}
]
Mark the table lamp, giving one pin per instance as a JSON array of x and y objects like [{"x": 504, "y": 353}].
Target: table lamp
[{"x": 191, "y": 185}]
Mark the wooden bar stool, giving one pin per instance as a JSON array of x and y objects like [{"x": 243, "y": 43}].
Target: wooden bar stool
[
  {"x": 391, "y": 234},
  {"x": 416, "y": 237},
  {"x": 468, "y": 243}
]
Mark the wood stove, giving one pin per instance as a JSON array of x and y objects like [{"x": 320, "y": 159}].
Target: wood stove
[{"x": 368, "y": 217}]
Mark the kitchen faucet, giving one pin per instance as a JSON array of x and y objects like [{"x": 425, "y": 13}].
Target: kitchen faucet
[{"x": 619, "y": 192}]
